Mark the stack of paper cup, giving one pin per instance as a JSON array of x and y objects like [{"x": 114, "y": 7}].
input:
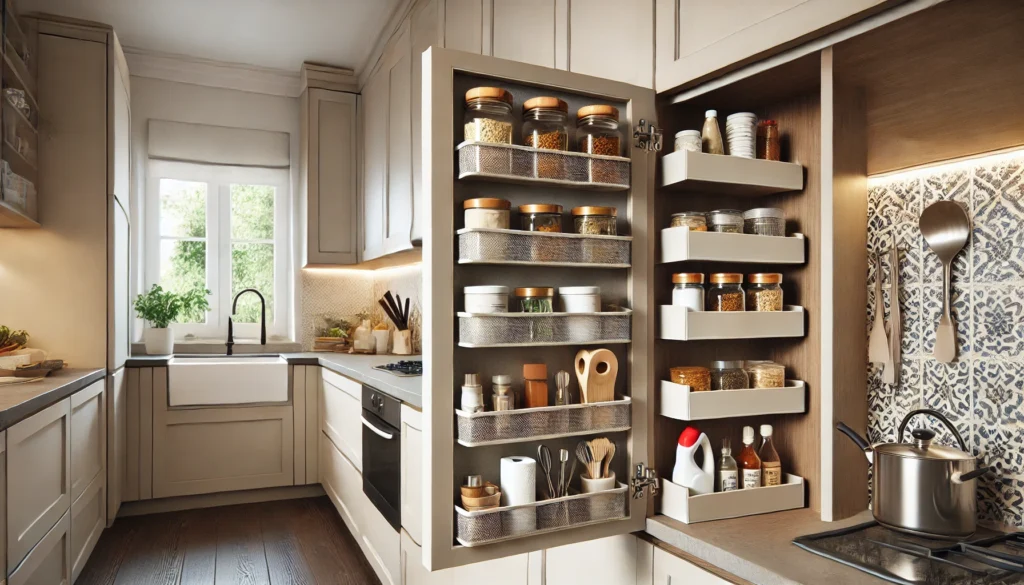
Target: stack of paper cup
[{"x": 741, "y": 134}]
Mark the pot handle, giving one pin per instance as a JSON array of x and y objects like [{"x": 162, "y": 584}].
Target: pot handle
[
  {"x": 940, "y": 417},
  {"x": 963, "y": 478},
  {"x": 863, "y": 444}
]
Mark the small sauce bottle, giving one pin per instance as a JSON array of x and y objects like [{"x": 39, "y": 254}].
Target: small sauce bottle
[
  {"x": 536, "y": 385},
  {"x": 711, "y": 135},
  {"x": 750, "y": 463},
  {"x": 728, "y": 473},
  {"x": 771, "y": 465}
]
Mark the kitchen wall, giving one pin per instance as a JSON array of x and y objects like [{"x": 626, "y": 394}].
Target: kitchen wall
[{"x": 982, "y": 391}]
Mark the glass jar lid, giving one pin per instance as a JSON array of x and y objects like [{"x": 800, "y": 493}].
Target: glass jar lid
[
  {"x": 594, "y": 210},
  {"x": 535, "y": 292},
  {"x": 726, "y": 278},
  {"x": 699, "y": 214},
  {"x": 540, "y": 208},
  {"x": 725, "y": 216},
  {"x": 685, "y": 133},
  {"x": 682, "y": 370},
  {"x": 727, "y": 365},
  {"x": 765, "y": 278},
  {"x": 761, "y": 212},
  {"x": 597, "y": 110},
  {"x": 486, "y": 203},
  {"x": 547, "y": 103},
  {"x": 688, "y": 278},
  {"x": 495, "y": 93}
]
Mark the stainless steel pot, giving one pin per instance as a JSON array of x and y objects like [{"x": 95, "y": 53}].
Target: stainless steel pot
[{"x": 922, "y": 488}]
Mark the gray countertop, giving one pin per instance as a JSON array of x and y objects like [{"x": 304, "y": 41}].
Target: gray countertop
[
  {"x": 20, "y": 401},
  {"x": 360, "y": 367}
]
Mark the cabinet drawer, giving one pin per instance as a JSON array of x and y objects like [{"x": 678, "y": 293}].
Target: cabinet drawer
[
  {"x": 340, "y": 480},
  {"x": 88, "y": 518},
  {"x": 88, "y": 450},
  {"x": 49, "y": 562},
  {"x": 412, "y": 473},
  {"x": 340, "y": 408},
  {"x": 670, "y": 569},
  {"x": 38, "y": 478}
]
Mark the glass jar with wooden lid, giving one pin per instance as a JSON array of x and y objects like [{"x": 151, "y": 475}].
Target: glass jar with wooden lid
[
  {"x": 488, "y": 116},
  {"x": 698, "y": 378},
  {"x": 764, "y": 291},
  {"x": 546, "y": 123},
  {"x": 725, "y": 292},
  {"x": 592, "y": 220},
  {"x": 536, "y": 299},
  {"x": 688, "y": 290},
  {"x": 487, "y": 212},
  {"x": 540, "y": 217},
  {"x": 597, "y": 130}
]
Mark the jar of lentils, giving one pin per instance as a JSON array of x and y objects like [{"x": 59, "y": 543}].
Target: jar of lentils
[
  {"x": 597, "y": 130},
  {"x": 725, "y": 293},
  {"x": 764, "y": 292},
  {"x": 767, "y": 375},
  {"x": 546, "y": 123},
  {"x": 698, "y": 378},
  {"x": 729, "y": 221},
  {"x": 540, "y": 217},
  {"x": 592, "y": 220},
  {"x": 764, "y": 221},
  {"x": 728, "y": 375},
  {"x": 488, "y": 115},
  {"x": 697, "y": 221}
]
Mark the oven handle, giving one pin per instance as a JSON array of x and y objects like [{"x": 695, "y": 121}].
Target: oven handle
[{"x": 376, "y": 431}]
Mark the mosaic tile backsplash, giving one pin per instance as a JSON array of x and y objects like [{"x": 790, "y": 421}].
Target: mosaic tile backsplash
[{"x": 982, "y": 391}]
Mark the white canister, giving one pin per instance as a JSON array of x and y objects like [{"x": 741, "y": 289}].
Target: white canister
[
  {"x": 688, "y": 290},
  {"x": 486, "y": 299},
  {"x": 487, "y": 212},
  {"x": 688, "y": 140},
  {"x": 580, "y": 299}
]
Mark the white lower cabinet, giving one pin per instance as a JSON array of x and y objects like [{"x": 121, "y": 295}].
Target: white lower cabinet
[
  {"x": 340, "y": 409},
  {"x": 672, "y": 570},
  {"x": 512, "y": 570},
  {"x": 88, "y": 447},
  {"x": 49, "y": 563},
  {"x": 88, "y": 519},
  {"x": 412, "y": 473},
  {"x": 605, "y": 561}
]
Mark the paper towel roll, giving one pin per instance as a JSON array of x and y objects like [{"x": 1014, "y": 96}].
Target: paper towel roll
[{"x": 518, "y": 481}]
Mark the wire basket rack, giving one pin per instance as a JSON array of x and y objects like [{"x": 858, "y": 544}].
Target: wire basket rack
[
  {"x": 495, "y": 246},
  {"x": 537, "y": 329},
  {"x": 536, "y": 424},
  {"x": 510, "y": 162},
  {"x": 510, "y": 522}
]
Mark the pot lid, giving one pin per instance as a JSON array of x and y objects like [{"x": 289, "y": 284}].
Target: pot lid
[{"x": 925, "y": 451}]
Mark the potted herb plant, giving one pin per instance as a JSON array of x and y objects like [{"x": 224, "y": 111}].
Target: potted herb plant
[{"x": 160, "y": 308}]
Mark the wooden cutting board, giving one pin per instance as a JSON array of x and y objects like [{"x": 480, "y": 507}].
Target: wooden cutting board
[{"x": 596, "y": 371}]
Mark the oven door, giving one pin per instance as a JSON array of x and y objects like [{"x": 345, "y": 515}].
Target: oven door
[{"x": 382, "y": 467}]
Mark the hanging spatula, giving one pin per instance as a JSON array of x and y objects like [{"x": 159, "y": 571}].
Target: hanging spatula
[{"x": 878, "y": 343}]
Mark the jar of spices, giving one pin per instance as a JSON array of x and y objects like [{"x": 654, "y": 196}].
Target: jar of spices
[
  {"x": 729, "y": 221},
  {"x": 597, "y": 130},
  {"x": 728, "y": 375},
  {"x": 535, "y": 386},
  {"x": 767, "y": 375},
  {"x": 595, "y": 221},
  {"x": 698, "y": 378},
  {"x": 764, "y": 292},
  {"x": 725, "y": 293},
  {"x": 487, "y": 212},
  {"x": 697, "y": 221},
  {"x": 688, "y": 291},
  {"x": 546, "y": 123},
  {"x": 503, "y": 398},
  {"x": 488, "y": 115},
  {"x": 580, "y": 299},
  {"x": 764, "y": 221},
  {"x": 536, "y": 299},
  {"x": 769, "y": 143},
  {"x": 540, "y": 217},
  {"x": 688, "y": 140}
]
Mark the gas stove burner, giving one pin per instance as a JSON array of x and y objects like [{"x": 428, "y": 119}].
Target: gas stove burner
[{"x": 404, "y": 368}]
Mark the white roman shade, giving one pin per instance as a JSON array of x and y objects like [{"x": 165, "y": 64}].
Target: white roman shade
[{"x": 219, "y": 145}]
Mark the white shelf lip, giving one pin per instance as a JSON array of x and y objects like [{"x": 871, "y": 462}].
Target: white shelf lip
[
  {"x": 621, "y": 313},
  {"x": 680, "y": 244},
  {"x": 576, "y": 183},
  {"x": 678, "y": 402},
  {"x": 698, "y": 171},
  {"x": 681, "y": 324},
  {"x": 543, "y": 234},
  {"x": 676, "y": 501},
  {"x": 547, "y": 343},
  {"x": 584, "y": 155}
]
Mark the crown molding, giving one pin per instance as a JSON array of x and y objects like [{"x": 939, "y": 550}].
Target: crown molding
[{"x": 211, "y": 73}]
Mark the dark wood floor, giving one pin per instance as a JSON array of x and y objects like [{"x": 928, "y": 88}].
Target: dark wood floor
[{"x": 291, "y": 542}]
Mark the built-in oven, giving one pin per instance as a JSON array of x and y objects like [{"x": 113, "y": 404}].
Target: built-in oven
[{"x": 382, "y": 453}]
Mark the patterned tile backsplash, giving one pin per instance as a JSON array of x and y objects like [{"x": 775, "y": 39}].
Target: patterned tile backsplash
[{"x": 982, "y": 392}]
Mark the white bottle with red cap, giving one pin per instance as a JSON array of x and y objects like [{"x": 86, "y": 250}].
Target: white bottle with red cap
[{"x": 699, "y": 479}]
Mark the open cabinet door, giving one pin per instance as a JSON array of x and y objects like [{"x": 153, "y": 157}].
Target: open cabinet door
[{"x": 455, "y": 343}]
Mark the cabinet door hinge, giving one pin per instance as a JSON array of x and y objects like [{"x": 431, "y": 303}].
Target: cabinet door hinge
[
  {"x": 647, "y": 136},
  {"x": 644, "y": 478}
]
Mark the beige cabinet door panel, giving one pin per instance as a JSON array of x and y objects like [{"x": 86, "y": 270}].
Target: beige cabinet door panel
[
  {"x": 398, "y": 210},
  {"x": 670, "y": 570},
  {"x": 526, "y": 31},
  {"x": 117, "y": 433},
  {"x": 573, "y": 562},
  {"x": 340, "y": 410},
  {"x": 513, "y": 570},
  {"x": 38, "y": 478},
  {"x": 374, "y": 106},
  {"x": 412, "y": 473},
  {"x": 49, "y": 563},
  {"x": 88, "y": 450},
  {"x": 88, "y": 518},
  {"x": 591, "y": 53},
  {"x": 335, "y": 478}
]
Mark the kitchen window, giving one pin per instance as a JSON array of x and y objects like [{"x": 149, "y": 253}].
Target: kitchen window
[{"x": 224, "y": 228}]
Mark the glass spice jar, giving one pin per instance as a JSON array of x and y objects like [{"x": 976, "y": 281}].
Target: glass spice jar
[
  {"x": 728, "y": 221},
  {"x": 764, "y": 292},
  {"x": 487, "y": 212},
  {"x": 536, "y": 299},
  {"x": 546, "y": 123},
  {"x": 698, "y": 378},
  {"x": 769, "y": 143},
  {"x": 697, "y": 221},
  {"x": 725, "y": 293},
  {"x": 595, "y": 221},
  {"x": 488, "y": 116},
  {"x": 728, "y": 375},
  {"x": 540, "y": 217},
  {"x": 597, "y": 130},
  {"x": 764, "y": 221},
  {"x": 688, "y": 290},
  {"x": 767, "y": 375}
]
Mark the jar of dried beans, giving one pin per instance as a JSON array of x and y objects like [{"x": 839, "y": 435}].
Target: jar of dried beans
[
  {"x": 597, "y": 130},
  {"x": 546, "y": 127},
  {"x": 767, "y": 375},
  {"x": 728, "y": 375},
  {"x": 540, "y": 217},
  {"x": 764, "y": 292},
  {"x": 726, "y": 220},
  {"x": 696, "y": 377},
  {"x": 725, "y": 293},
  {"x": 697, "y": 221},
  {"x": 769, "y": 143},
  {"x": 488, "y": 115},
  {"x": 595, "y": 221}
]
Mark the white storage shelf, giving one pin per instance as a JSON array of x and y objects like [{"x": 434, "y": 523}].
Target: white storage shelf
[
  {"x": 679, "y": 402},
  {"x": 510, "y": 163},
  {"x": 540, "y": 329},
  {"x": 495, "y": 246},
  {"x": 680, "y": 324},
  {"x": 679, "y": 244},
  {"x": 676, "y": 501},
  {"x": 715, "y": 173},
  {"x": 538, "y": 424}
]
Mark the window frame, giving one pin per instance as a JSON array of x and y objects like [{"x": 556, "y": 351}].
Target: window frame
[{"x": 219, "y": 179}]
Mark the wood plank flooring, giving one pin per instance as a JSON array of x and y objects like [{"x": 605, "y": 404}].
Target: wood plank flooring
[{"x": 289, "y": 542}]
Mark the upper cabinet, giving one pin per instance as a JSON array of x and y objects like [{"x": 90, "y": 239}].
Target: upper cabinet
[
  {"x": 20, "y": 144},
  {"x": 328, "y": 167},
  {"x": 697, "y": 39}
]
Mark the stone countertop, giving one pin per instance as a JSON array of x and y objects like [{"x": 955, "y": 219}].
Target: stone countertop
[
  {"x": 20, "y": 401},
  {"x": 360, "y": 367},
  {"x": 760, "y": 548}
]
